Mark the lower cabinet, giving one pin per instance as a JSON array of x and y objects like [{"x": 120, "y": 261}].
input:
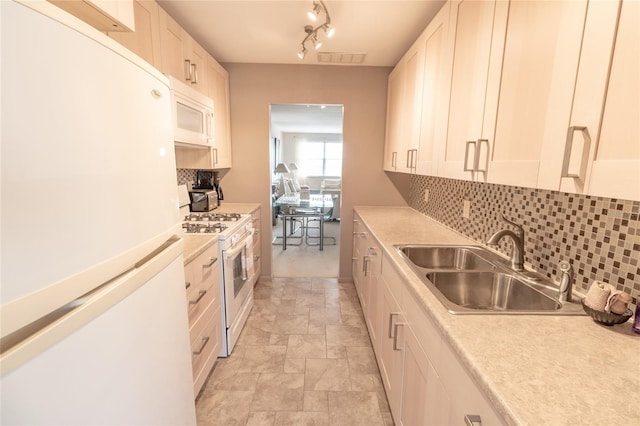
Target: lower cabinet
[
  {"x": 202, "y": 282},
  {"x": 257, "y": 241},
  {"x": 424, "y": 381}
]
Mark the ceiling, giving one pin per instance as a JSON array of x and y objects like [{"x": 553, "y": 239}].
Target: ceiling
[
  {"x": 306, "y": 118},
  {"x": 271, "y": 31}
]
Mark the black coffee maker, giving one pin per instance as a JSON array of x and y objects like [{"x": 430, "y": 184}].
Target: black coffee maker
[{"x": 209, "y": 179}]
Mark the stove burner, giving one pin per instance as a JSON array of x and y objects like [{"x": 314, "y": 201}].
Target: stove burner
[
  {"x": 203, "y": 228},
  {"x": 213, "y": 217}
]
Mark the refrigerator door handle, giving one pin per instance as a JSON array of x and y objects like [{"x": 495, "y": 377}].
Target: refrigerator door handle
[{"x": 35, "y": 338}]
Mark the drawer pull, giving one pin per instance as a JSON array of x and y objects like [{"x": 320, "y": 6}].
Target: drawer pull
[
  {"x": 201, "y": 295},
  {"x": 187, "y": 285},
  {"x": 205, "y": 340},
  {"x": 211, "y": 262},
  {"x": 395, "y": 336},
  {"x": 472, "y": 420},
  {"x": 391, "y": 315}
]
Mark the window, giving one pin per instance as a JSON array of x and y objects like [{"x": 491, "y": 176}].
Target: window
[{"x": 320, "y": 158}]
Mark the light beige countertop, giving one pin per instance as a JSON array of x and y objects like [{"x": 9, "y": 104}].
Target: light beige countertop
[
  {"x": 244, "y": 208},
  {"x": 195, "y": 245},
  {"x": 535, "y": 370}
]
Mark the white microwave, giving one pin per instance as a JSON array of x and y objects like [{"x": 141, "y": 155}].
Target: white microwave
[{"x": 192, "y": 115}]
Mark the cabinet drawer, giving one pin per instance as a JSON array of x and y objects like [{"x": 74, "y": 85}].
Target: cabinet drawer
[
  {"x": 466, "y": 397},
  {"x": 427, "y": 334},
  {"x": 202, "y": 277},
  {"x": 206, "y": 342}
]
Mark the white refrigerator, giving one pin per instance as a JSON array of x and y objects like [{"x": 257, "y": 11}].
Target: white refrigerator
[{"x": 93, "y": 315}]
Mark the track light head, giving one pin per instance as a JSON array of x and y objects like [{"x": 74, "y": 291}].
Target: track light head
[
  {"x": 313, "y": 14},
  {"x": 302, "y": 53},
  {"x": 329, "y": 30}
]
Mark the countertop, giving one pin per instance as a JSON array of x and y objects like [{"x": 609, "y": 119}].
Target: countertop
[
  {"x": 552, "y": 370},
  {"x": 196, "y": 244}
]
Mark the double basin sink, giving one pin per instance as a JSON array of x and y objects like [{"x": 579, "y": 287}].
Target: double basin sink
[{"x": 474, "y": 280}]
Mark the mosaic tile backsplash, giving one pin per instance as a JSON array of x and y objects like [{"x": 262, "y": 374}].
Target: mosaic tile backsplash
[
  {"x": 600, "y": 237},
  {"x": 186, "y": 175}
]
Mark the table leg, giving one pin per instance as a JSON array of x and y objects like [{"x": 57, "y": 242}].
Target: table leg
[{"x": 284, "y": 232}]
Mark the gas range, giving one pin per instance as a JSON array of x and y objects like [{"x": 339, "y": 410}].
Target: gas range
[{"x": 228, "y": 227}]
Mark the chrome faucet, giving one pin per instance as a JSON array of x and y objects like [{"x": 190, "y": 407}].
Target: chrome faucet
[
  {"x": 566, "y": 281},
  {"x": 517, "y": 240}
]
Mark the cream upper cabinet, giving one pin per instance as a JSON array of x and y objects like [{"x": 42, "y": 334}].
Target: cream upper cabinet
[
  {"x": 105, "y": 15},
  {"x": 145, "y": 40},
  {"x": 602, "y": 152},
  {"x": 474, "y": 49},
  {"x": 217, "y": 86},
  {"x": 404, "y": 96},
  {"x": 182, "y": 56},
  {"x": 540, "y": 59},
  {"x": 435, "y": 93}
]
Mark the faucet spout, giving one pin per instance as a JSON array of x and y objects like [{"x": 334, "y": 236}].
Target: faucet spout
[
  {"x": 566, "y": 281},
  {"x": 517, "y": 255}
]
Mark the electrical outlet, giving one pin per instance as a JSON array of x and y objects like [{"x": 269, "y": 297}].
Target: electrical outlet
[
  {"x": 466, "y": 209},
  {"x": 426, "y": 195}
]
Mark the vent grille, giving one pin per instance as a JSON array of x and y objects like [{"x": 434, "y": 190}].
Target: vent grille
[{"x": 341, "y": 58}]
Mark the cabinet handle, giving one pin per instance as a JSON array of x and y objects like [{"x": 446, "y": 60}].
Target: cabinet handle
[
  {"x": 201, "y": 295},
  {"x": 372, "y": 251},
  {"x": 187, "y": 285},
  {"x": 365, "y": 264},
  {"x": 394, "y": 159},
  {"x": 156, "y": 93},
  {"x": 211, "y": 262},
  {"x": 486, "y": 158},
  {"x": 472, "y": 420},
  {"x": 466, "y": 156},
  {"x": 580, "y": 174},
  {"x": 187, "y": 70},
  {"x": 194, "y": 74},
  {"x": 215, "y": 155},
  {"x": 395, "y": 336},
  {"x": 256, "y": 258},
  {"x": 205, "y": 340},
  {"x": 391, "y": 315}
]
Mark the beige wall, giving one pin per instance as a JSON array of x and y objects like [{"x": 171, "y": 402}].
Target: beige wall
[{"x": 362, "y": 91}]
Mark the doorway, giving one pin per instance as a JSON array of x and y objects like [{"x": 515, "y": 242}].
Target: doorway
[{"x": 306, "y": 162}]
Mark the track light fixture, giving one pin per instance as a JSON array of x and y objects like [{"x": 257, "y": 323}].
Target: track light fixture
[{"x": 312, "y": 33}]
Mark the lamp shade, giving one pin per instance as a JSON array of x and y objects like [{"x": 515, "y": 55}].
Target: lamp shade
[
  {"x": 282, "y": 168},
  {"x": 293, "y": 166}
]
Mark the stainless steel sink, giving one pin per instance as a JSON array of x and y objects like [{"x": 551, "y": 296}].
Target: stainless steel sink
[
  {"x": 447, "y": 257},
  {"x": 474, "y": 280},
  {"x": 493, "y": 291}
]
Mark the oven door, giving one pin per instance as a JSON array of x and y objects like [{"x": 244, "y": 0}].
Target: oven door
[{"x": 236, "y": 280}]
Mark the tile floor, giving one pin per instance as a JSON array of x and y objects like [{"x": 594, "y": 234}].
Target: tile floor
[{"x": 303, "y": 358}]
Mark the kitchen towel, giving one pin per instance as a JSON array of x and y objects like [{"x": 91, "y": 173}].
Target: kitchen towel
[
  {"x": 598, "y": 295},
  {"x": 617, "y": 302}
]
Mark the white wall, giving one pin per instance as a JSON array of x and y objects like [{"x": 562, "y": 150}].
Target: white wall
[{"x": 362, "y": 91}]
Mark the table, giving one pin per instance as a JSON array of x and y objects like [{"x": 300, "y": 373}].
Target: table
[{"x": 292, "y": 206}]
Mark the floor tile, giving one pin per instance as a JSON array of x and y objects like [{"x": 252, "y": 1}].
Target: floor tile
[
  {"x": 224, "y": 408},
  {"x": 354, "y": 409},
  {"x": 362, "y": 360},
  {"x": 302, "y": 418},
  {"x": 316, "y": 401},
  {"x": 295, "y": 365},
  {"x": 239, "y": 382},
  {"x": 263, "y": 359},
  {"x": 279, "y": 392},
  {"x": 291, "y": 324},
  {"x": 307, "y": 346},
  {"x": 327, "y": 375},
  {"x": 262, "y": 418},
  {"x": 346, "y": 335}
]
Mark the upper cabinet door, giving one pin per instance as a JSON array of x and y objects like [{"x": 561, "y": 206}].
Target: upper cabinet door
[
  {"x": 476, "y": 34},
  {"x": 145, "y": 40},
  {"x": 435, "y": 93},
  {"x": 615, "y": 169},
  {"x": 404, "y": 97},
  {"x": 218, "y": 90},
  {"x": 540, "y": 61},
  {"x": 171, "y": 42}
]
